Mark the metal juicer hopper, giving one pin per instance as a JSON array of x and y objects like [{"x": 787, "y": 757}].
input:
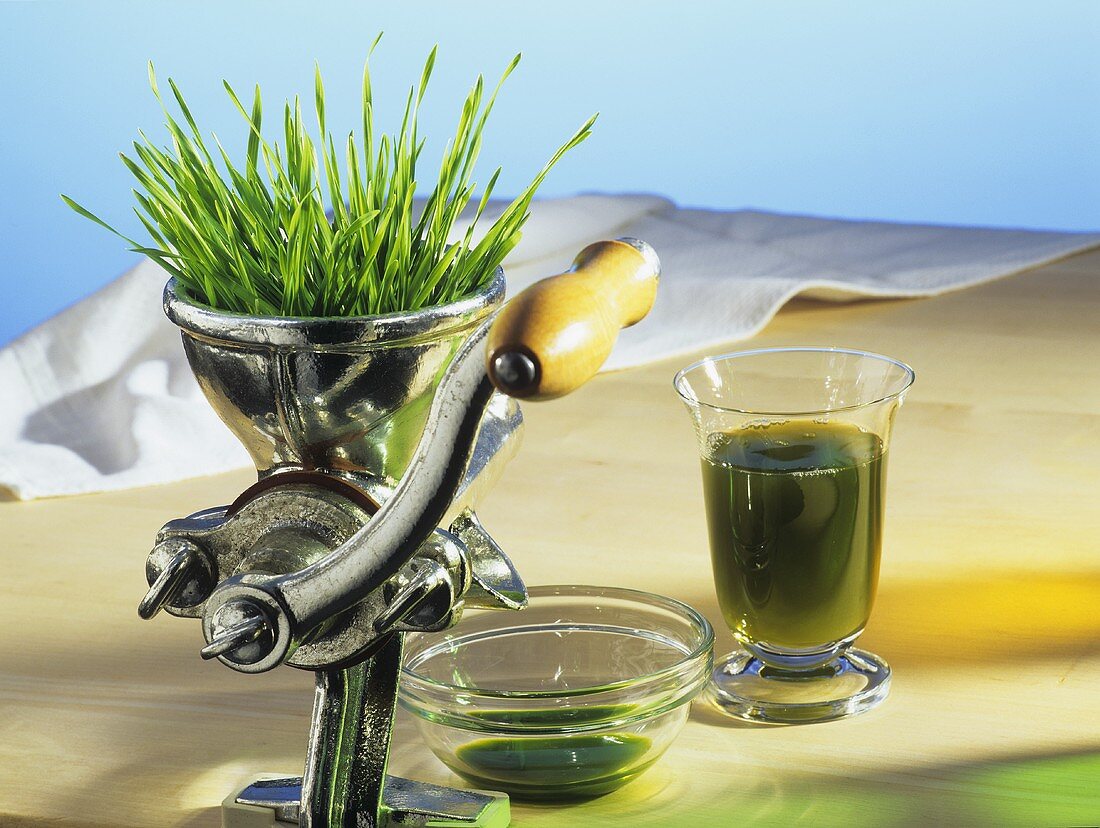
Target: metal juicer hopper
[{"x": 346, "y": 397}]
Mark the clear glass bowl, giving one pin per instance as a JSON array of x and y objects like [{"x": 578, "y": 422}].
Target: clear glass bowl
[{"x": 574, "y": 696}]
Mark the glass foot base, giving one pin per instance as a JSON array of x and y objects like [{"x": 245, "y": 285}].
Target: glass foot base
[{"x": 746, "y": 688}]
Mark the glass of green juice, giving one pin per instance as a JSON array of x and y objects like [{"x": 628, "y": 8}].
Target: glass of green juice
[{"x": 793, "y": 445}]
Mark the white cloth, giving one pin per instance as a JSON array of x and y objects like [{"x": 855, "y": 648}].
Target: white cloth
[{"x": 100, "y": 397}]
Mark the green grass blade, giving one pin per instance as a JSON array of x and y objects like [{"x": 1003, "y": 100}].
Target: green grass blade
[{"x": 256, "y": 237}]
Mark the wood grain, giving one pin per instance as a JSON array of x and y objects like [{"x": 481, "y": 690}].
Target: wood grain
[
  {"x": 987, "y": 610},
  {"x": 568, "y": 324}
]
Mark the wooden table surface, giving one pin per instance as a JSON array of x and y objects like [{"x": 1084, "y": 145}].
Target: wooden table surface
[{"x": 988, "y": 608}]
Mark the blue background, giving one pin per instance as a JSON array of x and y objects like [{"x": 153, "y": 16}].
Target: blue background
[{"x": 971, "y": 113}]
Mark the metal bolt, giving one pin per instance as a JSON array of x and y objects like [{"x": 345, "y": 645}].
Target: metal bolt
[
  {"x": 412, "y": 596},
  {"x": 179, "y": 574},
  {"x": 241, "y": 632},
  {"x": 514, "y": 372}
]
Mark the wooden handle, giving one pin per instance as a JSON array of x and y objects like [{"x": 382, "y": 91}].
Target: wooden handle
[{"x": 554, "y": 336}]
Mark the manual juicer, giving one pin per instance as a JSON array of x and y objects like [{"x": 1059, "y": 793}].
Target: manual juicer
[{"x": 374, "y": 438}]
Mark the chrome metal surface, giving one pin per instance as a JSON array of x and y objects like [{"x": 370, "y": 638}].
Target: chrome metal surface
[
  {"x": 432, "y": 578},
  {"x": 280, "y": 530},
  {"x": 324, "y": 332},
  {"x": 498, "y": 440},
  {"x": 339, "y": 395},
  {"x": 239, "y": 630},
  {"x": 282, "y": 796},
  {"x": 399, "y": 408},
  {"x": 179, "y": 572},
  {"x": 411, "y": 803},
  {"x": 349, "y": 742},
  {"x": 287, "y": 527},
  {"x": 419, "y": 502},
  {"x": 355, "y": 634},
  {"x": 647, "y": 251},
  {"x": 496, "y": 583},
  {"x": 404, "y": 802},
  {"x": 305, "y": 599},
  {"x": 315, "y": 393},
  {"x": 301, "y": 570},
  {"x": 515, "y": 371},
  {"x": 441, "y": 566}
]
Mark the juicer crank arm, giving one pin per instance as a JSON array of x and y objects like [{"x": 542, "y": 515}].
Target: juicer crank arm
[{"x": 564, "y": 327}]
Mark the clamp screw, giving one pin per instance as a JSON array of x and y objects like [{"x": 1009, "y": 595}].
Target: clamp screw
[
  {"x": 179, "y": 574},
  {"x": 241, "y": 632}
]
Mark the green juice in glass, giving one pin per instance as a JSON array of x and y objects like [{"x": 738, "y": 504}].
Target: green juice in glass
[{"x": 794, "y": 512}]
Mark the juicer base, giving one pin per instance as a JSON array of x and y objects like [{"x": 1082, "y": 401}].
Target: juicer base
[{"x": 272, "y": 802}]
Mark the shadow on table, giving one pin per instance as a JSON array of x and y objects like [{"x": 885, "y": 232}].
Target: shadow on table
[
  {"x": 238, "y": 726},
  {"x": 1026, "y": 790},
  {"x": 990, "y": 618},
  {"x": 178, "y": 792},
  {"x": 1018, "y": 790},
  {"x": 144, "y": 737},
  {"x": 1015, "y": 790},
  {"x": 250, "y": 725}
]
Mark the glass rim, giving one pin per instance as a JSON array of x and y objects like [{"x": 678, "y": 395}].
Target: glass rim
[
  {"x": 701, "y": 627},
  {"x": 908, "y": 373}
]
